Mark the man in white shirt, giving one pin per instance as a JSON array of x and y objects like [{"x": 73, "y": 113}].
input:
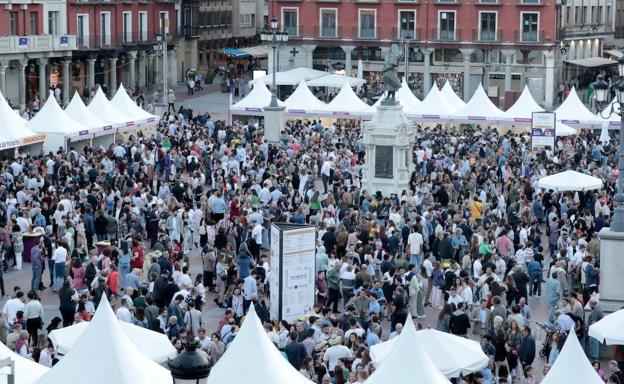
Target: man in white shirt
[
  {"x": 335, "y": 352},
  {"x": 123, "y": 313},
  {"x": 60, "y": 258},
  {"x": 415, "y": 243},
  {"x": 326, "y": 172},
  {"x": 11, "y": 307},
  {"x": 250, "y": 290}
]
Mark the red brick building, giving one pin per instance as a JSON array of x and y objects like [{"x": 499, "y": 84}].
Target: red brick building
[{"x": 503, "y": 44}]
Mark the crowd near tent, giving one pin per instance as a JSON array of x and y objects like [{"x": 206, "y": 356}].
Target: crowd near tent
[
  {"x": 572, "y": 365},
  {"x": 253, "y": 350},
  {"x": 104, "y": 355},
  {"x": 569, "y": 181}
]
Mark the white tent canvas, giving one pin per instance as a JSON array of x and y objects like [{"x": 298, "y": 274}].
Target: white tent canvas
[
  {"x": 451, "y": 354},
  {"x": 13, "y": 127},
  {"x": 478, "y": 108},
  {"x": 346, "y": 103},
  {"x": 78, "y": 111},
  {"x": 523, "y": 108},
  {"x": 451, "y": 97},
  {"x": 604, "y": 134},
  {"x": 573, "y": 111},
  {"x": 609, "y": 330},
  {"x": 407, "y": 360},
  {"x": 614, "y": 119},
  {"x": 406, "y": 98},
  {"x": 335, "y": 81},
  {"x": 255, "y": 101},
  {"x": 564, "y": 130},
  {"x": 105, "y": 355},
  {"x": 26, "y": 370},
  {"x": 123, "y": 103},
  {"x": 572, "y": 365},
  {"x": 569, "y": 181},
  {"x": 52, "y": 119},
  {"x": 102, "y": 108},
  {"x": 156, "y": 346},
  {"x": 253, "y": 350},
  {"x": 303, "y": 102},
  {"x": 292, "y": 77},
  {"x": 434, "y": 106}
]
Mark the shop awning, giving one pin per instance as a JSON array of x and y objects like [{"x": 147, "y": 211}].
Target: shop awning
[
  {"x": 234, "y": 52},
  {"x": 256, "y": 51},
  {"x": 590, "y": 62},
  {"x": 614, "y": 52}
]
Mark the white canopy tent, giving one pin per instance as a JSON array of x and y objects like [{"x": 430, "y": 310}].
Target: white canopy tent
[
  {"x": 523, "y": 108},
  {"x": 451, "y": 354},
  {"x": 451, "y": 97},
  {"x": 155, "y": 346},
  {"x": 26, "y": 371},
  {"x": 291, "y": 77},
  {"x": 253, "y": 350},
  {"x": 303, "y": 102},
  {"x": 609, "y": 330},
  {"x": 13, "y": 131},
  {"x": 103, "y": 132},
  {"x": 335, "y": 81},
  {"x": 58, "y": 126},
  {"x": 564, "y": 130},
  {"x": 102, "y": 108},
  {"x": 569, "y": 181},
  {"x": 406, "y": 360},
  {"x": 434, "y": 106},
  {"x": 253, "y": 104},
  {"x": 573, "y": 111},
  {"x": 478, "y": 108},
  {"x": 347, "y": 103},
  {"x": 104, "y": 355},
  {"x": 122, "y": 102},
  {"x": 614, "y": 120},
  {"x": 406, "y": 98},
  {"x": 604, "y": 134},
  {"x": 572, "y": 365}
]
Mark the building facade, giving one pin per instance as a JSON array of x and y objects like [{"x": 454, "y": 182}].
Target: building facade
[
  {"x": 34, "y": 43},
  {"x": 586, "y": 27},
  {"x": 503, "y": 44},
  {"x": 122, "y": 41}
]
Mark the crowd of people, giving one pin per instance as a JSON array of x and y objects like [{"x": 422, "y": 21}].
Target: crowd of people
[{"x": 176, "y": 223}]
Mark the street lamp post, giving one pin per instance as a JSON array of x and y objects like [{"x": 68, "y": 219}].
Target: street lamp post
[
  {"x": 191, "y": 366},
  {"x": 601, "y": 91},
  {"x": 275, "y": 39}
]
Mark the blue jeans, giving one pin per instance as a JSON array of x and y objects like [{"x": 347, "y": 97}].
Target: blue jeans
[
  {"x": 59, "y": 276},
  {"x": 416, "y": 259},
  {"x": 36, "y": 278},
  {"x": 123, "y": 271},
  {"x": 593, "y": 348}
]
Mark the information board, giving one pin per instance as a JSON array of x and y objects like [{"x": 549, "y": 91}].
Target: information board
[
  {"x": 292, "y": 279},
  {"x": 543, "y": 126}
]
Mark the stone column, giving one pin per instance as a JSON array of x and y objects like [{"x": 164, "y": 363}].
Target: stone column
[
  {"x": 131, "y": 69},
  {"x": 427, "y": 75},
  {"x": 172, "y": 68},
  {"x": 466, "y": 59},
  {"x": 113, "y": 76},
  {"x": 611, "y": 282},
  {"x": 509, "y": 54},
  {"x": 43, "y": 90},
  {"x": 149, "y": 70},
  {"x": 67, "y": 79},
  {"x": 90, "y": 73},
  {"x": 3, "y": 66},
  {"x": 157, "y": 70},
  {"x": 142, "y": 70},
  {"x": 309, "y": 48},
  {"x": 22, "y": 84},
  {"x": 549, "y": 80},
  {"x": 348, "y": 65}
]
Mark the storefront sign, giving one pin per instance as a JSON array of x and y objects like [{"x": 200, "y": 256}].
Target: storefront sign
[{"x": 543, "y": 130}]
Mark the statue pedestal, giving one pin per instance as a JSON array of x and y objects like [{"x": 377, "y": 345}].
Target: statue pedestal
[
  {"x": 389, "y": 140},
  {"x": 611, "y": 267},
  {"x": 273, "y": 123}
]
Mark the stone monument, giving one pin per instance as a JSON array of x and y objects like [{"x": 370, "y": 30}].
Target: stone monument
[
  {"x": 611, "y": 267},
  {"x": 388, "y": 139},
  {"x": 273, "y": 123}
]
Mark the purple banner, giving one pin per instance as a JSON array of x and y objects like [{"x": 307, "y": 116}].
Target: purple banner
[
  {"x": 522, "y": 120},
  {"x": 107, "y": 128},
  {"x": 431, "y": 117},
  {"x": 250, "y": 109},
  {"x": 476, "y": 118},
  {"x": 84, "y": 132}
]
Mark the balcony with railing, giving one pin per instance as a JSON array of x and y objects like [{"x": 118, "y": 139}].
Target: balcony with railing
[
  {"x": 414, "y": 35},
  {"x": 441, "y": 34},
  {"x": 119, "y": 40},
  {"x": 487, "y": 35},
  {"x": 360, "y": 33},
  {"x": 38, "y": 43},
  {"x": 324, "y": 32},
  {"x": 529, "y": 37}
]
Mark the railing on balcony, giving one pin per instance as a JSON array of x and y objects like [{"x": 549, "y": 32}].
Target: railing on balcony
[
  {"x": 118, "y": 40},
  {"x": 530, "y": 36},
  {"x": 366, "y": 33},
  {"x": 325, "y": 32},
  {"x": 189, "y": 30},
  {"x": 39, "y": 43},
  {"x": 530, "y": 2},
  {"x": 398, "y": 34},
  {"x": 440, "y": 34},
  {"x": 487, "y": 35}
]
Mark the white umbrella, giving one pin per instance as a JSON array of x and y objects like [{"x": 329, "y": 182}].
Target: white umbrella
[
  {"x": 569, "y": 181},
  {"x": 450, "y": 354},
  {"x": 604, "y": 134},
  {"x": 156, "y": 346},
  {"x": 609, "y": 330}
]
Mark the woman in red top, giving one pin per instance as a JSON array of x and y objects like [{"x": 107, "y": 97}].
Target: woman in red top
[
  {"x": 113, "y": 280},
  {"x": 137, "y": 255},
  {"x": 235, "y": 207}
]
